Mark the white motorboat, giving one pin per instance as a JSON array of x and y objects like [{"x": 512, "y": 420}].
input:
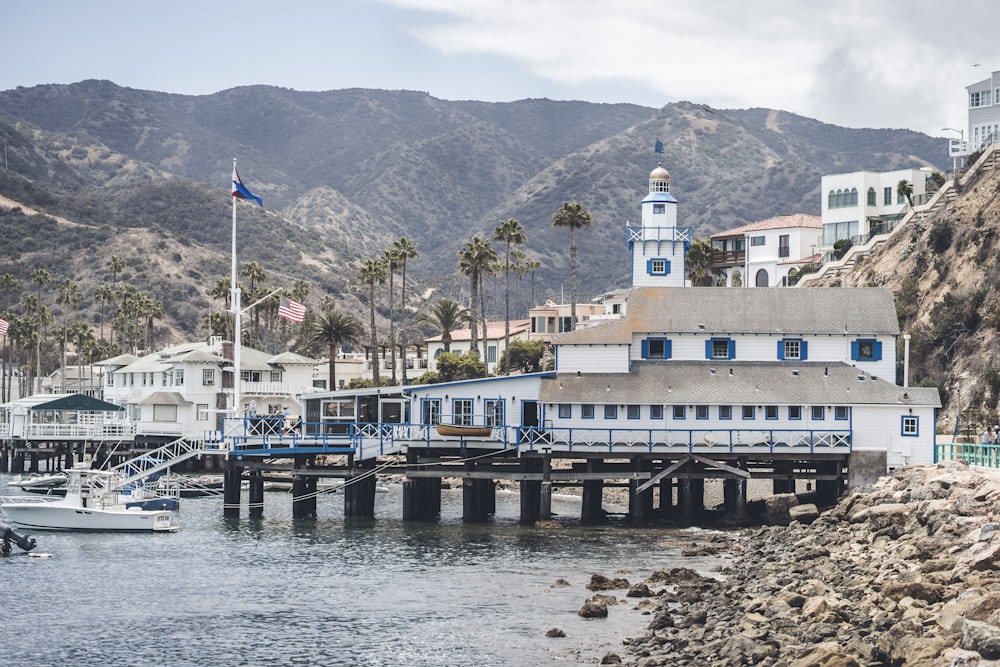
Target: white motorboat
[
  {"x": 40, "y": 483},
  {"x": 91, "y": 503}
]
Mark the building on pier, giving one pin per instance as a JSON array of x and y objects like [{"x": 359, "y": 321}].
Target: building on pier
[{"x": 686, "y": 384}]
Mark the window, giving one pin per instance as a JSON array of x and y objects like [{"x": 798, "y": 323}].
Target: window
[
  {"x": 910, "y": 427},
  {"x": 749, "y": 412},
  {"x": 207, "y": 377},
  {"x": 565, "y": 411},
  {"x": 701, "y": 412},
  {"x": 818, "y": 412},
  {"x": 792, "y": 349},
  {"x": 872, "y": 197},
  {"x": 632, "y": 411},
  {"x": 144, "y": 379},
  {"x": 835, "y": 231},
  {"x": 491, "y": 354},
  {"x": 795, "y": 412},
  {"x": 770, "y": 412},
  {"x": 841, "y": 412},
  {"x": 587, "y": 411},
  {"x": 866, "y": 349},
  {"x": 164, "y": 413},
  {"x": 179, "y": 377},
  {"x": 679, "y": 412},
  {"x": 461, "y": 411},
  {"x": 250, "y": 376},
  {"x": 783, "y": 247},
  {"x": 201, "y": 412},
  {"x": 658, "y": 266},
  {"x": 725, "y": 412},
  {"x": 659, "y": 208},
  {"x": 493, "y": 409},
  {"x": 430, "y": 411},
  {"x": 656, "y": 412},
  {"x": 887, "y": 196},
  {"x": 980, "y": 99},
  {"x": 611, "y": 412},
  {"x": 275, "y": 376},
  {"x": 131, "y": 379},
  {"x": 656, "y": 348},
  {"x": 757, "y": 241},
  {"x": 165, "y": 380},
  {"x": 720, "y": 348},
  {"x": 111, "y": 379}
]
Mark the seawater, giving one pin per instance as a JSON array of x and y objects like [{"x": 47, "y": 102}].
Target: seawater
[{"x": 329, "y": 590}]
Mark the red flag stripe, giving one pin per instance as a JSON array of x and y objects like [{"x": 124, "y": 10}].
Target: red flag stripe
[{"x": 291, "y": 310}]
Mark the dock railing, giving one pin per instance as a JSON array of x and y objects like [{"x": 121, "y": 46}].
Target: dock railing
[{"x": 976, "y": 454}]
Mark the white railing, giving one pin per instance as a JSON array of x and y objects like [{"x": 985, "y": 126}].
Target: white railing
[
  {"x": 109, "y": 430},
  {"x": 265, "y": 388},
  {"x": 640, "y": 233}
]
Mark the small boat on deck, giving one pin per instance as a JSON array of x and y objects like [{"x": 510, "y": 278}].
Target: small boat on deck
[
  {"x": 464, "y": 431},
  {"x": 91, "y": 503}
]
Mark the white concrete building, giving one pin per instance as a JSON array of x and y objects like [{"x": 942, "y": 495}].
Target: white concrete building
[
  {"x": 861, "y": 204},
  {"x": 762, "y": 253},
  {"x": 461, "y": 342}
]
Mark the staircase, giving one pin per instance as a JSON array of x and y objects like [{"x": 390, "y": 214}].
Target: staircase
[
  {"x": 156, "y": 460},
  {"x": 941, "y": 199}
]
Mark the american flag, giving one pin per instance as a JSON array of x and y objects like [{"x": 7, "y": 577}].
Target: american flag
[
  {"x": 291, "y": 310},
  {"x": 3, "y": 327}
]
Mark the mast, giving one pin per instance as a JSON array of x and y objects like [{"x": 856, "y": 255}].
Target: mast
[{"x": 237, "y": 323}]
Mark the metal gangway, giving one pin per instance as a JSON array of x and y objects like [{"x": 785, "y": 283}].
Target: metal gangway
[{"x": 157, "y": 460}]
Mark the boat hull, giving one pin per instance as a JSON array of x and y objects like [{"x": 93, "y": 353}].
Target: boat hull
[
  {"x": 456, "y": 431},
  {"x": 55, "y": 516}
]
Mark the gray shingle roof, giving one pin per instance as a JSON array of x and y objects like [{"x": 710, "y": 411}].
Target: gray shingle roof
[
  {"x": 735, "y": 383},
  {"x": 733, "y": 310}
]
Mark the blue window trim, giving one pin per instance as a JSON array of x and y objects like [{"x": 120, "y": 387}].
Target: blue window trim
[
  {"x": 803, "y": 349},
  {"x": 710, "y": 345},
  {"x": 822, "y": 413},
  {"x": 584, "y": 409},
  {"x": 667, "y": 347},
  {"x": 569, "y": 409},
  {"x": 653, "y": 409},
  {"x": 666, "y": 266},
  {"x": 856, "y": 349},
  {"x": 683, "y": 409},
  {"x": 701, "y": 412},
  {"x": 790, "y": 412},
  {"x": 916, "y": 426},
  {"x": 730, "y": 412},
  {"x": 629, "y": 410},
  {"x": 471, "y": 414},
  {"x": 838, "y": 408},
  {"x": 769, "y": 408},
  {"x": 753, "y": 412},
  {"x": 610, "y": 411}
]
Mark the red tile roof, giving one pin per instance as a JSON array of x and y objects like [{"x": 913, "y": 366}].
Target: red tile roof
[
  {"x": 494, "y": 331},
  {"x": 779, "y": 222}
]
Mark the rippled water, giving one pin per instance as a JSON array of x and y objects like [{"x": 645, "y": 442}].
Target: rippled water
[{"x": 325, "y": 591}]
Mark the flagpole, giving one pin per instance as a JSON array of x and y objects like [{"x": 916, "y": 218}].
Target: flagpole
[{"x": 237, "y": 323}]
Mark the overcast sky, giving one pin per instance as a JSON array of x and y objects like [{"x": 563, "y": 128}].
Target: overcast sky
[{"x": 856, "y": 63}]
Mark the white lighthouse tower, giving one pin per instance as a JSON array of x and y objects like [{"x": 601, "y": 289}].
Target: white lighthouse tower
[{"x": 658, "y": 245}]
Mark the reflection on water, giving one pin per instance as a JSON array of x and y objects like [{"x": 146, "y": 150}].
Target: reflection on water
[{"x": 330, "y": 590}]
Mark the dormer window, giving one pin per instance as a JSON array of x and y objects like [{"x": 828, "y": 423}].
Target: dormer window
[
  {"x": 659, "y": 209},
  {"x": 656, "y": 348},
  {"x": 658, "y": 266}
]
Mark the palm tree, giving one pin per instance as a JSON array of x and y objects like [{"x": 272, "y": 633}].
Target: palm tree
[
  {"x": 68, "y": 296},
  {"x": 371, "y": 273},
  {"x": 255, "y": 273},
  {"x": 41, "y": 278},
  {"x": 406, "y": 249},
  {"x": 8, "y": 282},
  {"x": 223, "y": 289},
  {"x": 699, "y": 263},
  {"x": 334, "y": 328},
  {"x": 149, "y": 309},
  {"x": 509, "y": 232},
  {"x": 82, "y": 337},
  {"x": 392, "y": 262},
  {"x": 102, "y": 295},
  {"x": 531, "y": 266},
  {"x": 445, "y": 316},
  {"x": 115, "y": 265},
  {"x": 474, "y": 260},
  {"x": 905, "y": 189},
  {"x": 572, "y": 215}
]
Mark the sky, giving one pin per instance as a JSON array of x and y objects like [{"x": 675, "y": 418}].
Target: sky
[{"x": 854, "y": 63}]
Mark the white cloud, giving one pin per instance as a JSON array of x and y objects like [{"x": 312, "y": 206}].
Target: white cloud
[{"x": 854, "y": 63}]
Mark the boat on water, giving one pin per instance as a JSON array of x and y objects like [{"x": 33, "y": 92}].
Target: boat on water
[
  {"x": 92, "y": 503},
  {"x": 463, "y": 431},
  {"x": 40, "y": 483}
]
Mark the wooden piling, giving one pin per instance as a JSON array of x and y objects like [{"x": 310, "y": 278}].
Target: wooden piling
[
  {"x": 231, "y": 490},
  {"x": 256, "y": 493}
]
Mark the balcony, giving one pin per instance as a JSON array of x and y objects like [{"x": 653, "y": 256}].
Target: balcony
[
  {"x": 265, "y": 388},
  {"x": 723, "y": 258}
]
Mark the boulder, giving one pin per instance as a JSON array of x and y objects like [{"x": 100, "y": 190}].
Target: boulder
[
  {"x": 598, "y": 582},
  {"x": 593, "y": 608},
  {"x": 806, "y": 513}
]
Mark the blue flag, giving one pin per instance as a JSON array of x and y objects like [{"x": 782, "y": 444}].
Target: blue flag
[
  {"x": 658, "y": 147},
  {"x": 240, "y": 191}
]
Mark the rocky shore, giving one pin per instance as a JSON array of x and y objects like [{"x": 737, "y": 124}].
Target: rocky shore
[{"x": 905, "y": 573}]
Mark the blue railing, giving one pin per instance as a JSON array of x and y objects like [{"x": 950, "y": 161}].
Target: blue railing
[
  {"x": 368, "y": 439},
  {"x": 987, "y": 456}
]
